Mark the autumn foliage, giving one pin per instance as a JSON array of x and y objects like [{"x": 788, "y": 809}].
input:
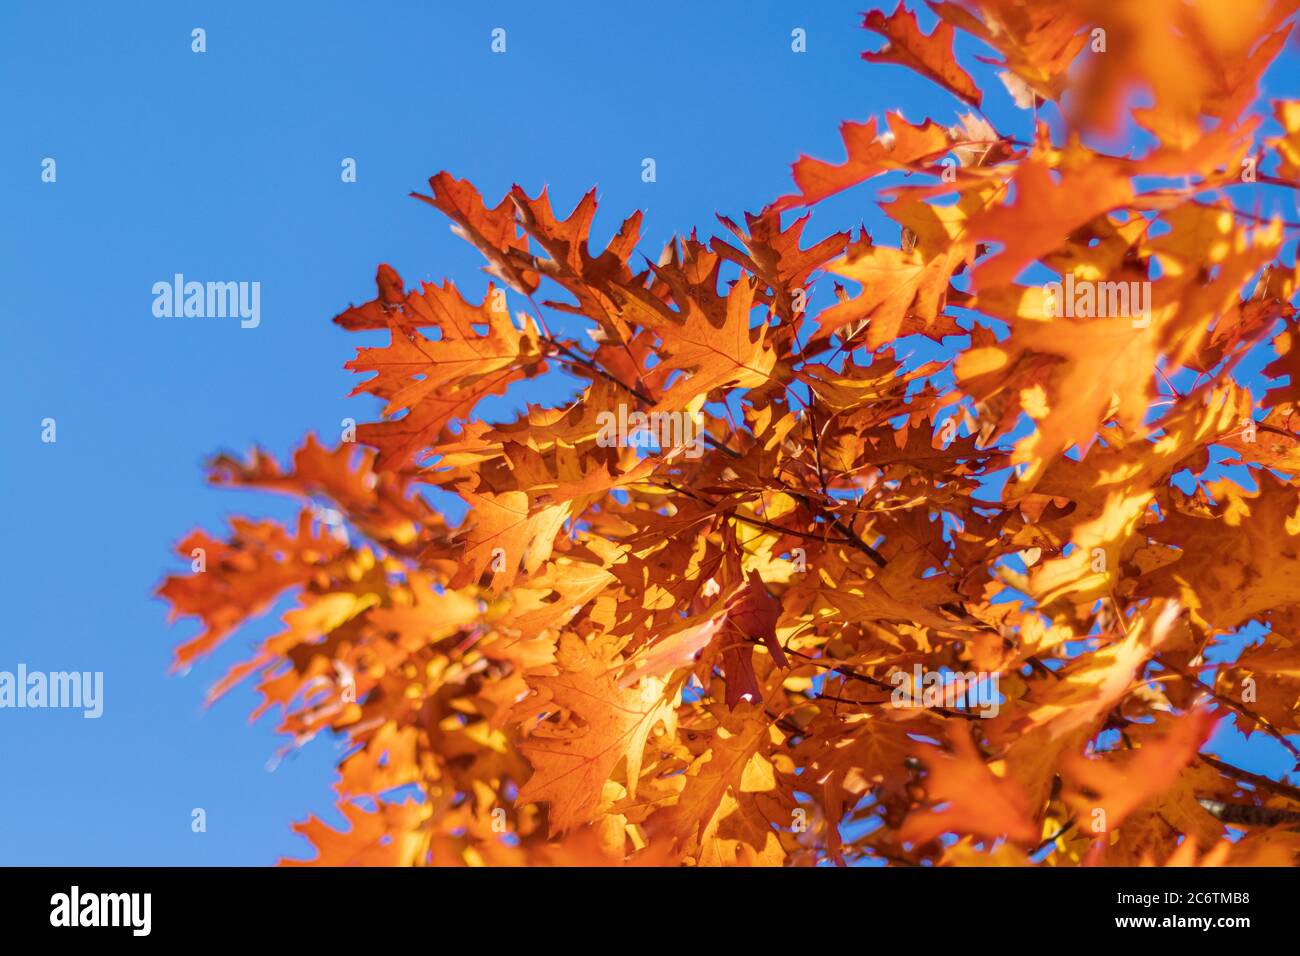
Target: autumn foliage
[{"x": 651, "y": 656}]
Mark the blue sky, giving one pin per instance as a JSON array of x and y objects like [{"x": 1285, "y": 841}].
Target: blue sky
[{"x": 225, "y": 166}]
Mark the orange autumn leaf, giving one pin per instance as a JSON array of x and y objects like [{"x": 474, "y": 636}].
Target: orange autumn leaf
[
  {"x": 572, "y": 763},
  {"x": 970, "y": 798},
  {"x": 727, "y": 352},
  {"x": 438, "y": 380},
  {"x": 1112, "y": 790},
  {"x": 1045, "y": 210},
  {"x": 733, "y": 763},
  {"x": 869, "y": 155},
  {"x": 931, "y": 56}
]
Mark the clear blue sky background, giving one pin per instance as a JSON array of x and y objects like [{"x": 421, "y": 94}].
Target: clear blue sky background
[{"x": 225, "y": 166}]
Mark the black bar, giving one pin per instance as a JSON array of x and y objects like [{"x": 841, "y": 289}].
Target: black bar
[{"x": 551, "y": 907}]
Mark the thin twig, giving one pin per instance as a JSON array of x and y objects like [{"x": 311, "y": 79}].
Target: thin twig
[{"x": 1232, "y": 704}]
